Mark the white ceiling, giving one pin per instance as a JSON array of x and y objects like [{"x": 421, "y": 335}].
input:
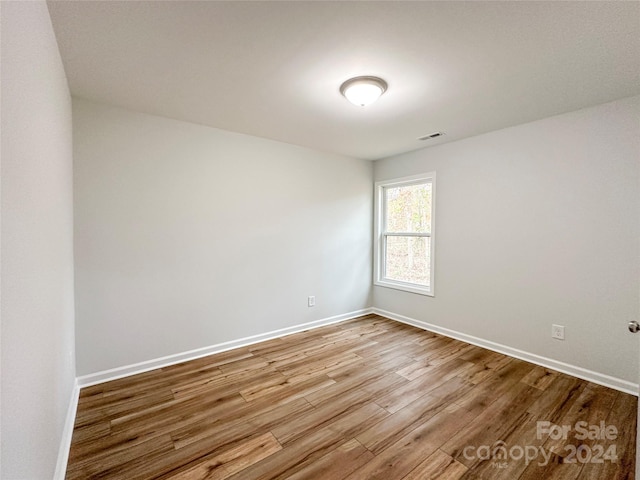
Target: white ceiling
[{"x": 273, "y": 69}]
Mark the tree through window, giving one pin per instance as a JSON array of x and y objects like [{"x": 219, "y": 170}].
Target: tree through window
[{"x": 404, "y": 253}]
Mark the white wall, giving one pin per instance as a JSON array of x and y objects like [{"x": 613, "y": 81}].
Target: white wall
[
  {"x": 188, "y": 236},
  {"x": 38, "y": 371},
  {"x": 537, "y": 224}
]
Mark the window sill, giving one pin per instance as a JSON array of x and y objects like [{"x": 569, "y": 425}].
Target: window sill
[{"x": 405, "y": 287}]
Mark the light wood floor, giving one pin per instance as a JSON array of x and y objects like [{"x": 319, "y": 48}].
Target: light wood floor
[{"x": 365, "y": 399}]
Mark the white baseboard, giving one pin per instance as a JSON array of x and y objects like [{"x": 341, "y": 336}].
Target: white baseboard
[
  {"x": 67, "y": 433},
  {"x": 583, "y": 373},
  {"x": 125, "y": 371}
]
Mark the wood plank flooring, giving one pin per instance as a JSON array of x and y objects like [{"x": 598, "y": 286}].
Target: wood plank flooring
[{"x": 364, "y": 399}]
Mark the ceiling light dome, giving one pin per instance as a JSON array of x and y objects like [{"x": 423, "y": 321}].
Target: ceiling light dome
[{"x": 363, "y": 91}]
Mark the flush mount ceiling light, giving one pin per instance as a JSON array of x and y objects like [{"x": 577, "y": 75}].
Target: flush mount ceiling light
[{"x": 363, "y": 91}]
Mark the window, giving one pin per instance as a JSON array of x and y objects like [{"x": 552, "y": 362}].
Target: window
[{"x": 405, "y": 233}]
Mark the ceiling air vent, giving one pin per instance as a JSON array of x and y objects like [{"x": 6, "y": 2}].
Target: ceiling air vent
[{"x": 432, "y": 136}]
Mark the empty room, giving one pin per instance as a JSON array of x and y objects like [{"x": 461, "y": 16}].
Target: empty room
[{"x": 319, "y": 240}]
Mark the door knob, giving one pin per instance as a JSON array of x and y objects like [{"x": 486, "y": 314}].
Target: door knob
[{"x": 634, "y": 326}]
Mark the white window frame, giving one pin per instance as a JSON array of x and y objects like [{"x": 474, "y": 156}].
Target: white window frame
[{"x": 380, "y": 234}]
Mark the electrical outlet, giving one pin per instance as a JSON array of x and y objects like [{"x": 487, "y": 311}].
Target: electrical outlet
[
  {"x": 311, "y": 301},
  {"x": 557, "y": 332}
]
